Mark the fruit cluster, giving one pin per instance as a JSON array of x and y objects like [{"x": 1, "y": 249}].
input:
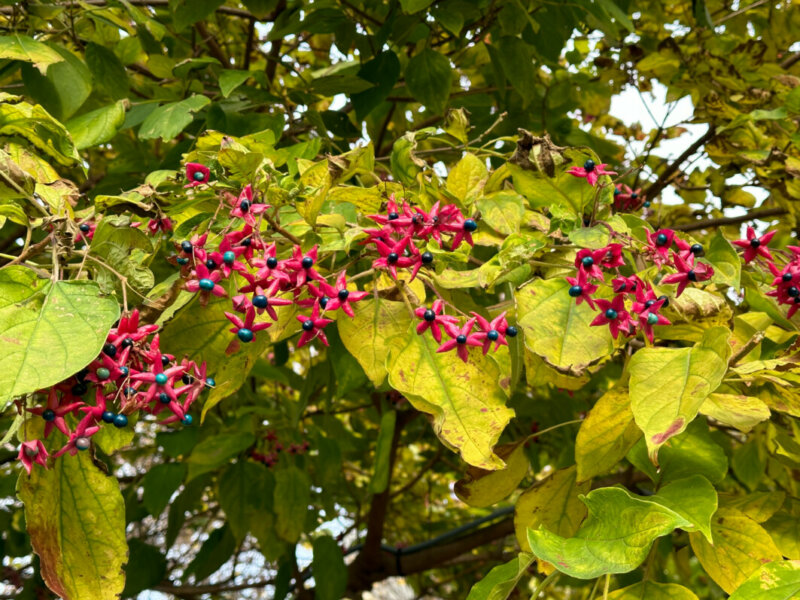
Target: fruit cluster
[
  {"x": 131, "y": 375},
  {"x": 274, "y": 448}
]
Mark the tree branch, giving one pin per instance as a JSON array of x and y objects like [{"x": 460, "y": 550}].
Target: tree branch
[
  {"x": 756, "y": 214},
  {"x": 663, "y": 179}
]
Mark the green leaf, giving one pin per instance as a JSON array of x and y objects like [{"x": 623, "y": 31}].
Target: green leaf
[
  {"x": 779, "y": 580},
  {"x": 651, "y": 590},
  {"x": 146, "y": 568},
  {"x": 291, "y": 498},
  {"x": 502, "y": 211},
  {"x": 792, "y": 101},
  {"x": 160, "y": 483},
  {"x": 517, "y": 59},
  {"x": 467, "y": 178},
  {"x": 65, "y": 86},
  {"x": 553, "y": 503},
  {"x": 109, "y": 74},
  {"x": 98, "y": 126},
  {"x": 216, "y": 450},
  {"x": 118, "y": 246},
  {"x": 614, "y": 538},
  {"x": 725, "y": 260},
  {"x": 481, "y": 488},
  {"x": 694, "y": 498},
  {"x": 371, "y": 334},
  {"x": 24, "y": 48},
  {"x": 230, "y": 79},
  {"x": 412, "y": 6},
  {"x": 558, "y": 330},
  {"x": 428, "y": 77},
  {"x": 502, "y": 579},
  {"x": 48, "y": 330},
  {"x": 241, "y": 486},
  {"x": 330, "y": 572},
  {"x": 188, "y": 12},
  {"x": 35, "y": 125},
  {"x": 215, "y": 552},
  {"x": 167, "y": 121},
  {"x": 466, "y": 400},
  {"x": 740, "y": 547},
  {"x": 383, "y": 453},
  {"x": 75, "y": 517},
  {"x": 784, "y": 528},
  {"x": 668, "y": 385},
  {"x": 606, "y": 435},
  {"x": 611, "y": 7}
]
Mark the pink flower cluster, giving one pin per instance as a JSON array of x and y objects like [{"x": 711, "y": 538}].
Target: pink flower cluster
[
  {"x": 130, "y": 375},
  {"x": 404, "y": 227},
  {"x": 463, "y": 336}
]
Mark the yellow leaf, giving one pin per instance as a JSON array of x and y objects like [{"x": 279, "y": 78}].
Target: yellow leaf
[
  {"x": 736, "y": 410},
  {"x": 467, "y": 178},
  {"x": 480, "y": 488},
  {"x": 653, "y": 591}
]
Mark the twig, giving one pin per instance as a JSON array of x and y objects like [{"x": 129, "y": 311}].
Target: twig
[
  {"x": 747, "y": 348},
  {"x": 756, "y": 214},
  {"x": 274, "y": 224},
  {"x": 663, "y": 179}
]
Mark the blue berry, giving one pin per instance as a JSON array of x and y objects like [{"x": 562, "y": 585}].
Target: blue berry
[
  {"x": 206, "y": 284},
  {"x": 511, "y": 331},
  {"x": 161, "y": 379},
  {"x": 493, "y": 335},
  {"x": 470, "y": 225},
  {"x": 661, "y": 239},
  {"x": 164, "y": 360},
  {"x": 793, "y": 292},
  {"x": 308, "y": 325},
  {"x": 696, "y": 249},
  {"x": 49, "y": 415},
  {"x": 427, "y": 258},
  {"x": 123, "y": 371},
  {"x": 429, "y": 315},
  {"x": 575, "y": 291},
  {"x": 229, "y": 257},
  {"x": 182, "y": 261},
  {"x": 611, "y": 314},
  {"x": 110, "y": 350},
  {"x": 187, "y": 379},
  {"x": 393, "y": 216},
  {"x": 588, "y": 166},
  {"x": 392, "y": 258},
  {"x": 186, "y": 246},
  {"x": 323, "y": 302},
  {"x": 646, "y": 204},
  {"x": 82, "y": 443},
  {"x": 755, "y": 243},
  {"x": 272, "y": 262},
  {"x": 120, "y": 421},
  {"x": 163, "y": 398},
  {"x": 79, "y": 389},
  {"x": 84, "y": 228},
  {"x": 199, "y": 176},
  {"x": 187, "y": 420},
  {"x": 245, "y": 335},
  {"x": 246, "y": 242},
  {"x": 666, "y": 301},
  {"x": 127, "y": 343},
  {"x": 260, "y": 301},
  {"x": 307, "y": 262},
  {"x": 343, "y": 294},
  {"x": 210, "y": 382},
  {"x": 587, "y": 261},
  {"x": 108, "y": 416},
  {"x": 211, "y": 264},
  {"x": 691, "y": 275},
  {"x": 787, "y": 277},
  {"x": 461, "y": 339},
  {"x": 634, "y": 195},
  {"x": 244, "y": 206}
]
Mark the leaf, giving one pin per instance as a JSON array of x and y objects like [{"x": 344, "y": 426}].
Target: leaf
[
  {"x": 48, "y": 331},
  {"x": 614, "y": 538},
  {"x": 553, "y": 503},
  {"x": 330, "y": 572},
  {"x": 168, "y": 120},
  {"x": 480, "y": 488},
  {"x": 740, "y": 547},
  {"x": 467, "y": 178},
  {"x": 160, "y": 483},
  {"x": 98, "y": 126},
  {"x": 502, "y": 579},
  {"x": 241, "y": 486},
  {"x": 188, "y": 12},
  {"x": 725, "y": 260},
  {"x": 373, "y": 332},
  {"x": 75, "y": 516},
  {"x": 759, "y": 506},
  {"x": 109, "y": 73},
  {"x": 230, "y": 79},
  {"x": 558, "y": 330},
  {"x": 736, "y": 410},
  {"x": 428, "y": 77},
  {"x": 606, "y": 435},
  {"x": 502, "y": 211},
  {"x": 412, "y": 6},
  {"x": 65, "y": 86},
  {"x": 291, "y": 498},
  {"x": 694, "y": 498},
  {"x": 516, "y": 58},
  {"x": 118, "y": 247},
  {"x": 215, "y": 552},
  {"x": 668, "y": 385},
  {"x": 146, "y": 568},
  {"x": 24, "y": 48},
  {"x": 215, "y": 451},
  {"x": 465, "y": 399},
  {"x": 35, "y": 125},
  {"x": 784, "y": 529},
  {"x": 779, "y": 580},
  {"x": 651, "y": 590},
  {"x": 383, "y": 453}
]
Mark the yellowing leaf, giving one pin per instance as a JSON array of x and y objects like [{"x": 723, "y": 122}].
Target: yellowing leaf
[
  {"x": 467, "y": 178},
  {"x": 502, "y": 211},
  {"x": 668, "y": 385},
  {"x": 779, "y": 580},
  {"x": 466, "y": 400},
  {"x": 558, "y": 330},
  {"x": 480, "y": 488},
  {"x": 606, "y": 435},
  {"x": 24, "y": 48},
  {"x": 554, "y": 503},
  {"x": 375, "y": 329},
  {"x": 75, "y": 516},
  {"x": 759, "y": 506},
  {"x": 736, "y": 410},
  {"x": 650, "y": 590},
  {"x": 740, "y": 547}
]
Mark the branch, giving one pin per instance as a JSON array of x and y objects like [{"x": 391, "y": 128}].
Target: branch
[
  {"x": 214, "y": 49},
  {"x": 756, "y": 214},
  {"x": 663, "y": 179}
]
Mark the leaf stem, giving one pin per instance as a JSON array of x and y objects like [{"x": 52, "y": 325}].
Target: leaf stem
[{"x": 545, "y": 584}]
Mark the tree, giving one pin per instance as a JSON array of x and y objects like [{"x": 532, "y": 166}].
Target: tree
[{"x": 298, "y": 297}]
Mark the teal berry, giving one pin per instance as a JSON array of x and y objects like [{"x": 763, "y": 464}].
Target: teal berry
[
  {"x": 493, "y": 335},
  {"x": 120, "y": 421},
  {"x": 588, "y": 166},
  {"x": 652, "y": 319},
  {"x": 646, "y": 204},
  {"x": 427, "y": 258},
  {"x": 161, "y": 379},
  {"x": 108, "y": 416},
  {"x": 308, "y": 325},
  {"x": 187, "y": 420},
  {"x": 323, "y": 302},
  {"x": 260, "y": 301},
  {"x": 123, "y": 371},
  {"x": 82, "y": 443},
  {"x": 343, "y": 294},
  {"x": 229, "y": 257},
  {"x": 210, "y": 382},
  {"x": 661, "y": 239},
  {"x": 429, "y": 315},
  {"x": 587, "y": 261},
  {"x": 611, "y": 314},
  {"x": 199, "y": 176},
  {"x": 634, "y": 195},
  {"x": 575, "y": 291},
  {"x": 244, "y": 206},
  {"x": 470, "y": 225},
  {"x": 49, "y": 415},
  {"x": 182, "y": 261},
  {"x": 206, "y": 285},
  {"x": 245, "y": 335},
  {"x": 307, "y": 262},
  {"x": 511, "y": 331},
  {"x": 103, "y": 373}
]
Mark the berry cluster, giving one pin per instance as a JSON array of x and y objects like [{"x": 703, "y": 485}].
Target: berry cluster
[
  {"x": 274, "y": 448},
  {"x": 130, "y": 375},
  {"x": 404, "y": 228},
  {"x": 635, "y": 306},
  {"x": 461, "y": 337}
]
